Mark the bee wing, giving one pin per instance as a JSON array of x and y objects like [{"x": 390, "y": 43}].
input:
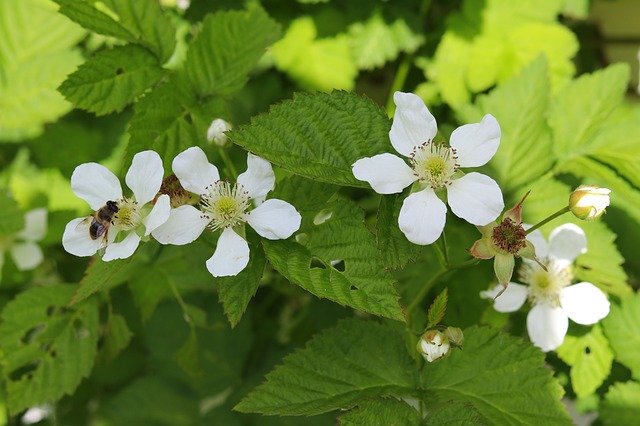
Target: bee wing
[{"x": 86, "y": 222}]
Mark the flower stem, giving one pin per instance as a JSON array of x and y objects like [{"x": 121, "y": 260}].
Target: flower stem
[
  {"x": 181, "y": 302},
  {"x": 549, "y": 219},
  {"x": 445, "y": 248},
  {"x": 398, "y": 82},
  {"x": 228, "y": 163}
]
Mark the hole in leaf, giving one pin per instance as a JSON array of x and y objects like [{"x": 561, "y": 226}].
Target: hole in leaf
[
  {"x": 587, "y": 350},
  {"x": 25, "y": 370},
  {"x": 32, "y": 334},
  {"x": 353, "y": 287},
  {"x": 51, "y": 310},
  {"x": 322, "y": 216},
  {"x": 316, "y": 263},
  {"x": 302, "y": 238},
  {"x": 338, "y": 264},
  {"x": 188, "y": 119},
  {"x": 119, "y": 71},
  {"x": 81, "y": 331},
  {"x": 53, "y": 353}
]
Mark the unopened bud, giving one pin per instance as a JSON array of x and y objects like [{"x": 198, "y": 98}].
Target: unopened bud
[
  {"x": 455, "y": 336},
  {"x": 216, "y": 132},
  {"x": 589, "y": 202},
  {"x": 433, "y": 345}
]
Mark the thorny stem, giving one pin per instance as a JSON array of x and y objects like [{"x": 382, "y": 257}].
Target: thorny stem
[
  {"x": 549, "y": 219},
  {"x": 228, "y": 163}
]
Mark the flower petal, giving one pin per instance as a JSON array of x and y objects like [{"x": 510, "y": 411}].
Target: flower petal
[
  {"x": 76, "y": 239},
  {"x": 35, "y": 225},
  {"x": 274, "y": 219},
  {"x": 144, "y": 177},
  {"x": 26, "y": 256},
  {"x": 567, "y": 242},
  {"x": 422, "y": 217},
  {"x": 547, "y": 326},
  {"x": 158, "y": 215},
  {"x": 386, "y": 173},
  {"x": 510, "y": 300},
  {"x": 194, "y": 171},
  {"x": 477, "y": 143},
  {"x": 412, "y": 125},
  {"x": 475, "y": 198},
  {"x": 539, "y": 242},
  {"x": 259, "y": 179},
  {"x": 184, "y": 225},
  {"x": 95, "y": 184},
  {"x": 231, "y": 255},
  {"x": 584, "y": 303},
  {"x": 123, "y": 249}
]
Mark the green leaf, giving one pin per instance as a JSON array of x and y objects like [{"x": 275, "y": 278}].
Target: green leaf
[
  {"x": 520, "y": 105},
  {"x": 621, "y": 405},
  {"x": 503, "y": 378},
  {"x": 437, "y": 309},
  {"x": 455, "y": 413},
  {"x": 151, "y": 401},
  {"x": 602, "y": 263},
  {"x": 141, "y": 22},
  {"x": 318, "y": 136},
  {"x": 227, "y": 48},
  {"x": 381, "y": 412},
  {"x": 336, "y": 369},
  {"x": 375, "y": 42},
  {"x": 236, "y": 292},
  {"x": 102, "y": 275},
  {"x": 315, "y": 64},
  {"x": 582, "y": 106},
  {"x": 36, "y": 54},
  {"x": 112, "y": 79},
  {"x": 117, "y": 336},
  {"x": 395, "y": 250},
  {"x": 11, "y": 218},
  {"x": 47, "y": 347},
  {"x": 590, "y": 358},
  {"x": 333, "y": 237},
  {"x": 622, "y": 327}
]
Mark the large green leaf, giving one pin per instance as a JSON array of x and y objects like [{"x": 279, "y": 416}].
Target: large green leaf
[
  {"x": 141, "y": 22},
  {"x": 112, "y": 79},
  {"x": 582, "y": 107},
  {"x": 621, "y": 405},
  {"x": 47, "y": 348},
  {"x": 36, "y": 54},
  {"x": 503, "y": 378},
  {"x": 622, "y": 327},
  {"x": 520, "y": 106},
  {"x": 382, "y": 412},
  {"x": 337, "y": 368},
  {"x": 318, "y": 136},
  {"x": 102, "y": 275},
  {"x": 227, "y": 48},
  {"x": 333, "y": 235},
  {"x": 590, "y": 358}
]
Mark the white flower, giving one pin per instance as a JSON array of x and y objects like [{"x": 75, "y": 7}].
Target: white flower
[
  {"x": 22, "y": 245},
  {"x": 474, "y": 197},
  {"x": 226, "y": 206},
  {"x": 433, "y": 345},
  {"x": 216, "y": 132},
  {"x": 554, "y": 300},
  {"x": 589, "y": 202},
  {"x": 136, "y": 216}
]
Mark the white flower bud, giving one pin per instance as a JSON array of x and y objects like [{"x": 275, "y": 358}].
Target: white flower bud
[
  {"x": 589, "y": 202},
  {"x": 433, "y": 345},
  {"x": 216, "y": 132},
  {"x": 455, "y": 335}
]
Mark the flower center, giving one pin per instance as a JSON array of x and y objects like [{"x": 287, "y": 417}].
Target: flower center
[
  {"x": 545, "y": 286},
  {"x": 509, "y": 237},
  {"x": 434, "y": 164},
  {"x": 128, "y": 216},
  {"x": 225, "y": 204}
]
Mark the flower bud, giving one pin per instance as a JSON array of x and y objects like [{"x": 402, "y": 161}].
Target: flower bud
[
  {"x": 589, "y": 202},
  {"x": 433, "y": 345},
  {"x": 455, "y": 336},
  {"x": 216, "y": 132}
]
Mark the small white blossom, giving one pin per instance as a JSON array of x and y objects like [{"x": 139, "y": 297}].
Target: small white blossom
[
  {"x": 589, "y": 202},
  {"x": 136, "y": 216},
  {"x": 474, "y": 197},
  {"x": 26, "y": 254},
  {"x": 550, "y": 292},
  {"x": 433, "y": 345},
  {"x": 227, "y": 206},
  {"x": 216, "y": 132}
]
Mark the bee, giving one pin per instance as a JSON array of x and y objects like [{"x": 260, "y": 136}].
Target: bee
[{"x": 102, "y": 219}]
